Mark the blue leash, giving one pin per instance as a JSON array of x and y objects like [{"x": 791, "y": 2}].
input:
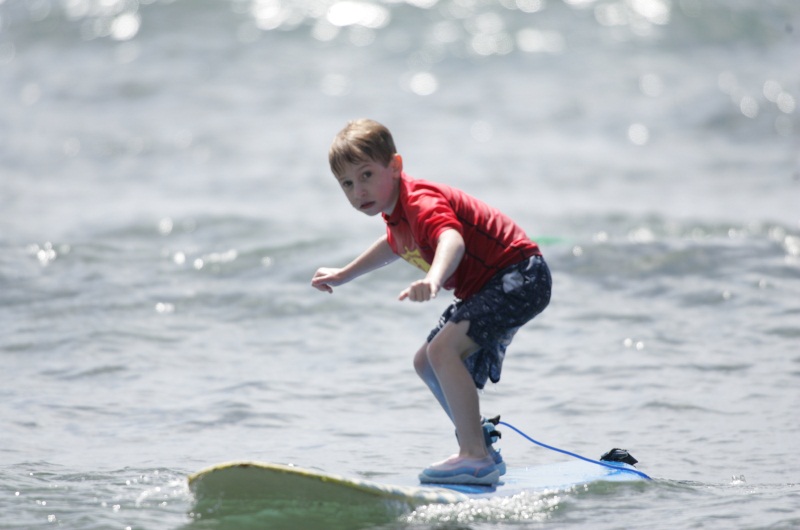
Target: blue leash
[{"x": 579, "y": 457}]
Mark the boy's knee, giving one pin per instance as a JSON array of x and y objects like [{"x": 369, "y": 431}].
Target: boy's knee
[
  {"x": 452, "y": 344},
  {"x": 421, "y": 363},
  {"x": 439, "y": 353}
]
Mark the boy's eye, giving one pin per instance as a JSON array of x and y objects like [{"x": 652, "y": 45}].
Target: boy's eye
[
  {"x": 367, "y": 174},
  {"x": 346, "y": 184}
]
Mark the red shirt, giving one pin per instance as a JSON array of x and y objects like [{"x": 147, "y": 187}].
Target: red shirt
[{"x": 425, "y": 209}]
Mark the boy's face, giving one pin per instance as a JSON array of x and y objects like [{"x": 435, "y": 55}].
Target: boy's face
[{"x": 371, "y": 187}]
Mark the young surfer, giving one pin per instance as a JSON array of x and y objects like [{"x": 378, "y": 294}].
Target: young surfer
[{"x": 498, "y": 275}]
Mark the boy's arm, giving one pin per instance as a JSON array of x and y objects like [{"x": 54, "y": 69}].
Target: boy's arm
[
  {"x": 449, "y": 251},
  {"x": 376, "y": 256}
]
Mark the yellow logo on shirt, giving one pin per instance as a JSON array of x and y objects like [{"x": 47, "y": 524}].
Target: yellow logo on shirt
[{"x": 415, "y": 258}]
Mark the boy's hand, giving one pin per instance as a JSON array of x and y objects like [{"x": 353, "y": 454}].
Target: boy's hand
[
  {"x": 420, "y": 291},
  {"x": 449, "y": 251},
  {"x": 325, "y": 279}
]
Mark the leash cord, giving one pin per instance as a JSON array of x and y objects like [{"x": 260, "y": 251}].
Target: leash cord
[{"x": 579, "y": 457}]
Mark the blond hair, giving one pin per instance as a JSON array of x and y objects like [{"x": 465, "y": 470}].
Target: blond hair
[{"x": 361, "y": 141}]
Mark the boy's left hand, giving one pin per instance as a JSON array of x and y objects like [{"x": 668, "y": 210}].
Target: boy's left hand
[{"x": 420, "y": 291}]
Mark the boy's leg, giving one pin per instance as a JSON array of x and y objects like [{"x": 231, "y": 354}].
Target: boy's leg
[
  {"x": 425, "y": 371},
  {"x": 445, "y": 354}
]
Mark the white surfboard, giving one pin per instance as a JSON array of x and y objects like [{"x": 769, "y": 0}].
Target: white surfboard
[{"x": 287, "y": 491}]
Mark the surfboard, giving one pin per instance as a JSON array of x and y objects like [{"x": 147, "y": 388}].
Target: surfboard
[{"x": 285, "y": 490}]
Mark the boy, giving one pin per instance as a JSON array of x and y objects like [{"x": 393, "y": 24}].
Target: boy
[{"x": 499, "y": 277}]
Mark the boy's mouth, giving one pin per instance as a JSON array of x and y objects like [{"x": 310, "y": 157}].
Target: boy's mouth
[{"x": 367, "y": 205}]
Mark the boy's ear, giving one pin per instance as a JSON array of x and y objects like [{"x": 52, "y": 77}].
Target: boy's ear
[{"x": 397, "y": 163}]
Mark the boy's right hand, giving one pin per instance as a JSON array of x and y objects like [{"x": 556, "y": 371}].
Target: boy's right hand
[
  {"x": 325, "y": 279},
  {"x": 420, "y": 291}
]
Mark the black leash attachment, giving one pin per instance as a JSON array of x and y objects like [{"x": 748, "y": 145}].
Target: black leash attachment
[{"x": 619, "y": 455}]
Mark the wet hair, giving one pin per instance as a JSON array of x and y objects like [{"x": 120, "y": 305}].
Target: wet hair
[{"x": 361, "y": 141}]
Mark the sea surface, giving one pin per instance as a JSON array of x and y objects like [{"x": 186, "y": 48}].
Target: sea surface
[{"x": 165, "y": 199}]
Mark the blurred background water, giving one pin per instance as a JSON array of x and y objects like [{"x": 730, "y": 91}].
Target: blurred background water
[{"x": 165, "y": 199}]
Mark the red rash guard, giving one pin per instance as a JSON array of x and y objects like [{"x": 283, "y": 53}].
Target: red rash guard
[{"x": 424, "y": 210}]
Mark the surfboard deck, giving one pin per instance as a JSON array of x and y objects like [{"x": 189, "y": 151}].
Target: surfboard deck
[{"x": 259, "y": 486}]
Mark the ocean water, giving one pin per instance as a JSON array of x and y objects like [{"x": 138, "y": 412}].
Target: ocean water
[{"x": 165, "y": 200}]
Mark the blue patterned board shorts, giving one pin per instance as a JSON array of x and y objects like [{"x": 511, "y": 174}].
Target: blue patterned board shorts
[{"x": 510, "y": 299}]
